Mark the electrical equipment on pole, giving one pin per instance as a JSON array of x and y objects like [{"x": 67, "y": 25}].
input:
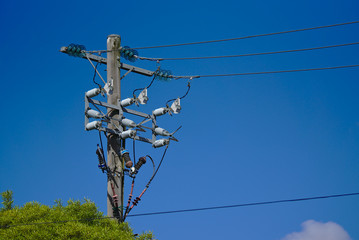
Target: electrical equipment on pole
[{"x": 113, "y": 118}]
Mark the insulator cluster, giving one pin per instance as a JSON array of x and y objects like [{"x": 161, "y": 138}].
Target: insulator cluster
[
  {"x": 76, "y": 50},
  {"x": 129, "y": 54},
  {"x": 163, "y": 75}
]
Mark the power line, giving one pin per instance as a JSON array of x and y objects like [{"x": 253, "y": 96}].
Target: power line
[
  {"x": 195, "y": 209},
  {"x": 250, "y": 54},
  {"x": 251, "y": 36},
  {"x": 269, "y": 72},
  {"x": 245, "y": 204}
]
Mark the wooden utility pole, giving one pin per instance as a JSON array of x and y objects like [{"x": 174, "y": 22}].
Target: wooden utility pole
[{"x": 115, "y": 183}]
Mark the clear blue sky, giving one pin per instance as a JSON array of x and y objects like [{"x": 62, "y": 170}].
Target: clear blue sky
[{"x": 244, "y": 139}]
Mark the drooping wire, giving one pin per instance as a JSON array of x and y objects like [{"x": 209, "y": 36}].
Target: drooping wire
[
  {"x": 283, "y": 71},
  {"x": 159, "y": 165},
  {"x": 188, "y": 88},
  {"x": 251, "y": 36},
  {"x": 95, "y": 69},
  {"x": 193, "y": 209},
  {"x": 252, "y": 54},
  {"x": 157, "y": 59},
  {"x": 140, "y": 89},
  {"x": 94, "y": 76},
  {"x": 99, "y": 133},
  {"x": 269, "y": 72},
  {"x": 246, "y": 204},
  {"x": 134, "y": 151}
]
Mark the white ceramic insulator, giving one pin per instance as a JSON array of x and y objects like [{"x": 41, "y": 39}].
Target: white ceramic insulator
[
  {"x": 160, "y": 143},
  {"x": 162, "y": 132},
  {"x": 93, "y": 125},
  {"x": 127, "y": 102},
  {"x": 93, "y": 114},
  {"x": 128, "y": 123},
  {"x": 93, "y": 92},
  {"x": 160, "y": 111},
  {"x": 128, "y": 134}
]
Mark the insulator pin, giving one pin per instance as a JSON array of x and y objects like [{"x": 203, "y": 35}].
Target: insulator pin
[{"x": 126, "y": 158}]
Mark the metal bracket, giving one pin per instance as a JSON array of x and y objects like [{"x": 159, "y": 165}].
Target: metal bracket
[
  {"x": 109, "y": 87},
  {"x": 124, "y": 75}
]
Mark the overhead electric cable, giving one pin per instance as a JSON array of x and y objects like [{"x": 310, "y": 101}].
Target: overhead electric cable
[
  {"x": 251, "y": 36},
  {"x": 194, "y": 209},
  {"x": 269, "y": 72},
  {"x": 251, "y": 54},
  {"x": 245, "y": 204}
]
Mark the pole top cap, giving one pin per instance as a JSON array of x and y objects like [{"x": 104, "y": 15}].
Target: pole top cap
[{"x": 113, "y": 36}]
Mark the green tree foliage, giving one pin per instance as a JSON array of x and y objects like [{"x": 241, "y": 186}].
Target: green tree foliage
[
  {"x": 7, "y": 200},
  {"x": 35, "y": 212}
]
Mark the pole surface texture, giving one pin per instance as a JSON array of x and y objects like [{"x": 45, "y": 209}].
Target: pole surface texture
[{"x": 115, "y": 183}]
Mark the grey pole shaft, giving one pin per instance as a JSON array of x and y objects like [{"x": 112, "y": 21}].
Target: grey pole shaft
[{"x": 114, "y": 185}]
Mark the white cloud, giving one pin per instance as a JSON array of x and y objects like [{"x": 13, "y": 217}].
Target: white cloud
[{"x": 313, "y": 230}]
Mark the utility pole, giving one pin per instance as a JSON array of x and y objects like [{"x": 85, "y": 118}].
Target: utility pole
[
  {"x": 114, "y": 183},
  {"x": 114, "y": 123}
]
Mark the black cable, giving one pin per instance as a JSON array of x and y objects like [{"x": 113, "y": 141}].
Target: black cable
[
  {"x": 134, "y": 152},
  {"x": 159, "y": 165},
  {"x": 258, "y": 54},
  {"x": 195, "y": 209},
  {"x": 154, "y": 167},
  {"x": 138, "y": 89},
  {"x": 94, "y": 76},
  {"x": 251, "y": 36},
  {"x": 245, "y": 204},
  {"x": 99, "y": 133},
  {"x": 269, "y": 72},
  {"x": 188, "y": 88},
  {"x": 283, "y": 71}
]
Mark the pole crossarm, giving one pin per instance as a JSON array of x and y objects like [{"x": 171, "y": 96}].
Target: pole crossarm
[{"x": 103, "y": 60}]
